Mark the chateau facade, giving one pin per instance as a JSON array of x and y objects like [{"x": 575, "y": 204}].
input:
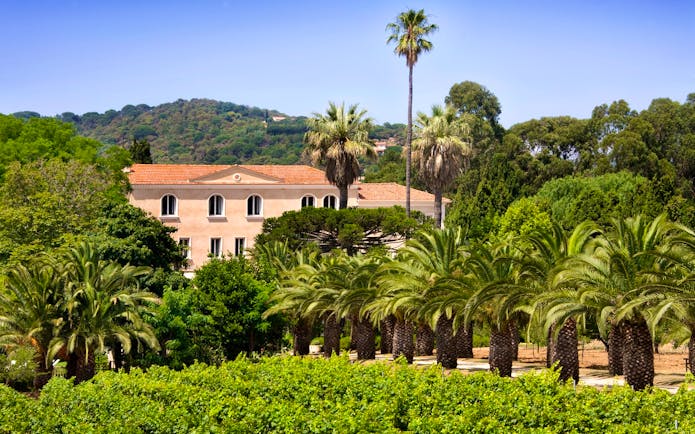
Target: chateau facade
[{"x": 219, "y": 209}]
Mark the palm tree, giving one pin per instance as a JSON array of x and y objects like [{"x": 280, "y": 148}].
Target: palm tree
[
  {"x": 409, "y": 33},
  {"x": 101, "y": 305},
  {"x": 400, "y": 296},
  {"x": 293, "y": 292},
  {"x": 30, "y": 306},
  {"x": 337, "y": 140},
  {"x": 632, "y": 257},
  {"x": 439, "y": 151},
  {"x": 437, "y": 256},
  {"x": 494, "y": 295},
  {"x": 359, "y": 288},
  {"x": 550, "y": 248}
]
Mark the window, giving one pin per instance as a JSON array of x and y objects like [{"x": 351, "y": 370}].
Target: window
[
  {"x": 254, "y": 205},
  {"x": 307, "y": 201},
  {"x": 330, "y": 201},
  {"x": 239, "y": 246},
  {"x": 169, "y": 207},
  {"x": 216, "y": 247},
  {"x": 216, "y": 205},
  {"x": 185, "y": 244}
]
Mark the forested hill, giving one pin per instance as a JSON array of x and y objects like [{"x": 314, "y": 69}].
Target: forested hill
[{"x": 204, "y": 131}]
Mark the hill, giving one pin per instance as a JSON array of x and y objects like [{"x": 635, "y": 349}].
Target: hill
[{"x": 205, "y": 131}]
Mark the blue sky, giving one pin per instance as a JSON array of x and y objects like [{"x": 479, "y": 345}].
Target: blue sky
[{"x": 541, "y": 58}]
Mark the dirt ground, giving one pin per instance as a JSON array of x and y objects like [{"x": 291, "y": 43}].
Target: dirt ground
[{"x": 669, "y": 363}]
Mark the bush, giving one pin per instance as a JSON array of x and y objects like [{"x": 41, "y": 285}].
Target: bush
[
  {"x": 18, "y": 368},
  {"x": 314, "y": 395}
]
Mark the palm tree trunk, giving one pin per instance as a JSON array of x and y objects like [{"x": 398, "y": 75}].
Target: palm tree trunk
[
  {"x": 363, "y": 338},
  {"x": 387, "y": 325},
  {"x": 691, "y": 349},
  {"x": 331, "y": 335},
  {"x": 117, "y": 352},
  {"x": 638, "y": 354},
  {"x": 302, "y": 337},
  {"x": 446, "y": 342},
  {"x": 464, "y": 341},
  {"x": 343, "y": 199},
  {"x": 615, "y": 350},
  {"x": 514, "y": 336},
  {"x": 438, "y": 207},
  {"x": 565, "y": 352},
  {"x": 43, "y": 371},
  {"x": 549, "y": 347},
  {"x": 408, "y": 140},
  {"x": 501, "y": 351},
  {"x": 424, "y": 340},
  {"x": 403, "y": 340},
  {"x": 81, "y": 365}
]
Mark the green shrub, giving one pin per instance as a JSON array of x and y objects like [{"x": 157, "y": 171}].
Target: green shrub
[{"x": 317, "y": 395}]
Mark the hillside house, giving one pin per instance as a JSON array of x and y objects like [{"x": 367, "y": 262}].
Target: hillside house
[{"x": 220, "y": 209}]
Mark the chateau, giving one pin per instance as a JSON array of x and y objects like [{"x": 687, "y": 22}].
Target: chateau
[{"x": 220, "y": 209}]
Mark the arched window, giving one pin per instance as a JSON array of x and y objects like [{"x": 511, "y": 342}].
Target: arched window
[
  {"x": 216, "y": 205},
  {"x": 330, "y": 201},
  {"x": 254, "y": 205},
  {"x": 307, "y": 201},
  {"x": 169, "y": 205}
]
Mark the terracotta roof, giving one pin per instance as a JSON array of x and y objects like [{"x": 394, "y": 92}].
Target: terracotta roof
[
  {"x": 390, "y": 191},
  {"x": 187, "y": 173}
]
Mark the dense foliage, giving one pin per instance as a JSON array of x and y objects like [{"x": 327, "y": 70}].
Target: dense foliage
[
  {"x": 206, "y": 131},
  {"x": 352, "y": 229},
  {"x": 315, "y": 396},
  {"x": 654, "y": 146}
]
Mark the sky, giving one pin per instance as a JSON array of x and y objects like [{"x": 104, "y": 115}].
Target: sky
[{"x": 540, "y": 58}]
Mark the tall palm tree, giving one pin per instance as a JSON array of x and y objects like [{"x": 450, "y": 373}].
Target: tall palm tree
[
  {"x": 439, "y": 151},
  {"x": 337, "y": 140},
  {"x": 30, "y": 306},
  {"x": 409, "y": 33},
  {"x": 102, "y": 305}
]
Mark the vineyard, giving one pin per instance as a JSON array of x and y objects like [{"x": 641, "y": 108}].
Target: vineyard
[{"x": 292, "y": 394}]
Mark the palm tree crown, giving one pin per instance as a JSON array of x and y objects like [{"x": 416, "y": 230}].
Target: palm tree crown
[
  {"x": 439, "y": 151},
  {"x": 337, "y": 139},
  {"x": 408, "y": 33}
]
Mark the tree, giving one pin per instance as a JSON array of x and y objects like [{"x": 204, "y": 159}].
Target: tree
[
  {"x": 337, "y": 140},
  {"x": 101, "y": 305},
  {"x": 351, "y": 229},
  {"x": 409, "y": 33},
  {"x": 550, "y": 247},
  {"x": 631, "y": 257},
  {"x": 473, "y": 98},
  {"x": 292, "y": 293},
  {"x": 234, "y": 299},
  {"x": 436, "y": 258},
  {"x": 440, "y": 151},
  {"x": 492, "y": 293},
  {"x": 30, "y": 304},
  {"x": 140, "y": 151}
]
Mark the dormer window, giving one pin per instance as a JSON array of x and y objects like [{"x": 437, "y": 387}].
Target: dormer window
[
  {"x": 169, "y": 206},
  {"x": 216, "y": 206},
  {"x": 308, "y": 201}
]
